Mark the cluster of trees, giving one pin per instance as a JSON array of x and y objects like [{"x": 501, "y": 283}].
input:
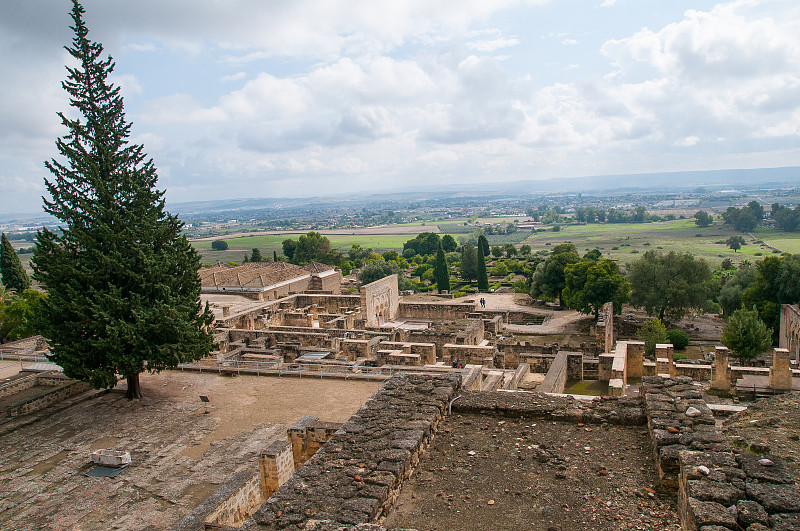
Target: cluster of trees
[
  {"x": 746, "y": 218},
  {"x": 584, "y": 284},
  {"x": 13, "y": 274},
  {"x": 785, "y": 218},
  {"x": 311, "y": 247},
  {"x": 703, "y": 218}
]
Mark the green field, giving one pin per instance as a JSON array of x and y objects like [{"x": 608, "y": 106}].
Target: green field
[{"x": 623, "y": 241}]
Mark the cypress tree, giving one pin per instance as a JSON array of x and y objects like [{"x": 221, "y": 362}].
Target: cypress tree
[
  {"x": 440, "y": 273},
  {"x": 14, "y": 276},
  {"x": 256, "y": 256},
  {"x": 122, "y": 280},
  {"x": 483, "y": 278}
]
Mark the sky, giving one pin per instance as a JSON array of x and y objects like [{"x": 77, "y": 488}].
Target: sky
[{"x": 296, "y": 98}]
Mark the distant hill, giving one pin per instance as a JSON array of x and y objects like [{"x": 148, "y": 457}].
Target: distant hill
[{"x": 668, "y": 181}]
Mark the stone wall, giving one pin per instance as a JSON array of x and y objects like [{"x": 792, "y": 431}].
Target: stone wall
[
  {"x": 464, "y": 354},
  {"x": 556, "y": 377},
  {"x": 356, "y": 476},
  {"x": 718, "y": 487},
  {"x": 18, "y": 384},
  {"x": 238, "y": 506},
  {"x": 380, "y": 301},
  {"x": 436, "y": 310},
  {"x": 35, "y": 403},
  {"x": 790, "y": 330}
]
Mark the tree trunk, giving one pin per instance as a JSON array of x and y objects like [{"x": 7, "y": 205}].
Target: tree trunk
[{"x": 134, "y": 390}]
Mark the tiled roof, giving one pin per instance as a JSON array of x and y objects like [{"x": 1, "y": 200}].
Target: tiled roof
[{"x": 250, "y": 275}]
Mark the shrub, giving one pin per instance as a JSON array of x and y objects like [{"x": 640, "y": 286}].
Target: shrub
[
  {"x": 219, "y": 245},
  {"x": 679, "y": 356},
  {"x": 678, "y": 338}
]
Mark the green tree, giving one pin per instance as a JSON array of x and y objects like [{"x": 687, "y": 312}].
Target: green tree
[
  {"x": 219, "y": 245},
  {"x": 670, "y": 284},
  {"x": 548, "y": 280},
  {"x": 469, "y": 262},
  {"x": 440, "y": 273},
  {"x": 735, "y": 242},
  {"x": 377, "y": 270},
  {"x": 14, "y": 276},
  {"x": 525, "y": 249},
  {"x": 589, "y": 285},
  {"x": 652, "y": 333},
  {"x": 423, "y": 244},
  {"x": 510, "y": 250},
  {"x": 702, "y": 218},
  {"x": 122, "y": 281},
  {"x": 449, "y": 243},
  {"x": 483, "y": 277},
  {"x": 777, "y": 282},
  {"x": 483, "y": 243},
  {"x": 312, "y": 246},
  {"x": 255, "y": 255},
  {"x": 678, "y": 338},
  {"x": 746, "y": 335},
  {"x": 497, "y": 251},
  {"x": 18, "y": 316},
  {"x": 289, "y": 245},
  {"x": 730, "y": 294}
]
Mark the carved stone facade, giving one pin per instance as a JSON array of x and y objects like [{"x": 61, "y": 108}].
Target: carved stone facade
[{"x": 380, "y": 301}]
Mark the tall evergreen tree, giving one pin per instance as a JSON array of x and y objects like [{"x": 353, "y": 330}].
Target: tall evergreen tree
[
  {"x": 469, "y": 261},
  {"x": 256, "y": 256},
  {"x": 123, "y": 282},
  {"x": 440, "y": 273},
  {"x": 14, "y": 276},
  {"x": 483, "y": 277}
]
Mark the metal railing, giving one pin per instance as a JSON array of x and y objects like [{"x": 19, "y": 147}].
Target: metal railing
[
  {"x": 36, "y": 356},
  {"x": 320, "y": 370}
]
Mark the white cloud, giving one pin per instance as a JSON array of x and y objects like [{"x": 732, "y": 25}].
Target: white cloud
[
  {"x": 233, "y": 77},
  {"x": 492, "y": 45},
  {"x": 569, "y": 42}
]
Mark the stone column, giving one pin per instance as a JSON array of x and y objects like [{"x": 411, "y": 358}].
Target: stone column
[
  {"x": 780, "y": 374},
  {"x": 635, "y": 359},
  {"x": 666, "y": 351},
  {"x": 720, "y": 372},
  {"x": 275, "y": 466}
]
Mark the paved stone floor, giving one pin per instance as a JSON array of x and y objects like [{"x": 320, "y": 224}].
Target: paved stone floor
[{"x": 180, "y": 454}]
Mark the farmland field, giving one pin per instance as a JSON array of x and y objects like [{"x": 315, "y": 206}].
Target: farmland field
[{"x": 623, "y": 241}]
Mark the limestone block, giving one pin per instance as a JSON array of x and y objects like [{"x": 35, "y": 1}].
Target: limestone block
[{"x": 780, "y": 374}]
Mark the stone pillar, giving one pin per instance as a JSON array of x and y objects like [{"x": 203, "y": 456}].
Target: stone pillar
[
  {"x": 608, "y": 319},
  {"x": 720, "y": 372},
  {"x": 635, "y": 359},
  {"x": 275, "y": 466},
  {"x": 667, "y": 351},
  {"x": 780, "y": 374},
  {"x": 604, "y": 366},
  {"x": 226, "y": 311}
]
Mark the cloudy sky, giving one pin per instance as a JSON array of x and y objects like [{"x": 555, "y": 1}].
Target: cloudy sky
[{"x": 257, "y": 98}]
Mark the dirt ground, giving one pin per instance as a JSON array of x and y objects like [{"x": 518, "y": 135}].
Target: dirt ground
[
  {"x": 180, "y": 454},
  {"x": 488, "y": 473}
]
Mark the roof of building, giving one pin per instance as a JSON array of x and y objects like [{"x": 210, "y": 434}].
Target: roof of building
[{"x": 256, "y": 274}]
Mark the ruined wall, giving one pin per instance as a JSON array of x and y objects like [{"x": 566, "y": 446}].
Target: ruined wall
[
  {"x": 380, "y": 301},
  {"x": 435, "y": 310},
  {"x": 464, "y": 354},
  {"x": 35, "y": 403},
  {"x": 239, "y": 505},
  {"x": 356, "y": 476},
  {"x": 331, "y": 303},
  {"x": 694, "y": 459},
  {"x": 790, "y": 330}
]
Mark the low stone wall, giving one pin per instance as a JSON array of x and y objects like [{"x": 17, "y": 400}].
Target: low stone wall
[
  {"x": 473, "y": 354},
  {"x": 18, "y": 384},
  {"x": 624, "y": 411},
  {"x": 556, "y": 378},
  {"x": 435, "y": 310},
  {"x": 426, "y": 351},
  {"x": 718, "y": 487},
  {"x": 356, "y": 476},
  {"x": 220, "y": 503},
  {"x": 35, "y": 403}
]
